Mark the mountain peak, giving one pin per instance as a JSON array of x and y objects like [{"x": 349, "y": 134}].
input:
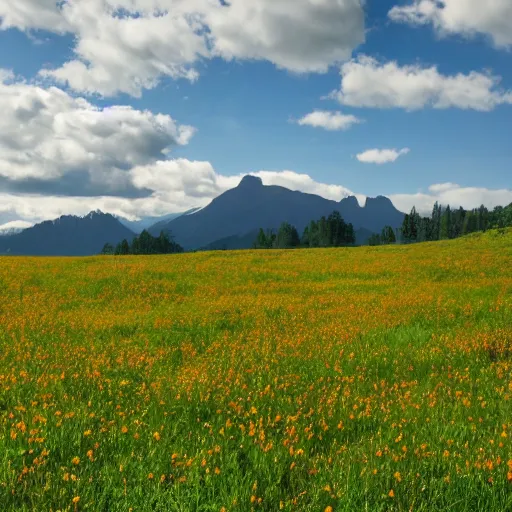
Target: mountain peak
[
  {"x": 378, "y": 201},
  {"x": 350, "y": 200},
  {"x": 249, "y": 181}
]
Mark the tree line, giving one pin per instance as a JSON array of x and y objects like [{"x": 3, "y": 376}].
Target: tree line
[
  {"x": 446, "y": 223},
  {"x": 145, "y": 243},
  {"x": 332, "y": 231}
]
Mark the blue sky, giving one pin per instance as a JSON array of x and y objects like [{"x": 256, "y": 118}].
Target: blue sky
[{"x": 243, "y": 112}]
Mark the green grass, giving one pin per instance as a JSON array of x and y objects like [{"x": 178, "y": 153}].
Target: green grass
[{"x": 374, "y": 379}]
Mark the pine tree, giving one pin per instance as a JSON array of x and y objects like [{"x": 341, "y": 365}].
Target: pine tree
[
  {"x": 436, "y": 222},
  {"x": 350, "y": 235},
  {"x": 287, "y": 236},
  {"x": 305, "y": 237},
  {"x": 261, "y": 241},
  {"x": 388, "y": 235},
  {"x": 124, "y": 247},
  {"x": 446, "y": 228},
  {"x": 108, "y": 249},
  {"x": 374, "y": 240}
]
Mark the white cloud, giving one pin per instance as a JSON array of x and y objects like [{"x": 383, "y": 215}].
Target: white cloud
[
  {"x": 442, "y": 187},
  {"x": 6, "y": 75},
  {"x": 46, "y": 134},
  {"x": 465, "y": 17},
  {"x": 368, "y": 83},
  {"x": 32, "y": 14},
  {"x": 381, "y": 156},
  {"x": 131, "y": 50},
  {"x": 195, "y": 184},
  {"x": 14, "y": 226},
  {"x": 188, "y": 179},
  {"x": 298, "y": 35},
  {"x": 303, "y": 183},
  {"x": 331, "y": 121},
  {"x": 129, "y": 45},
  {"x": 453, "y": 195},
  {"x": 176, "y": 185}
]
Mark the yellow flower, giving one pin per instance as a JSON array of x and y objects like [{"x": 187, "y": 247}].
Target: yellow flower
[
  {"x": 76, "y": 461},
  {"x": 76, "y": 499},
  {"x": 391, "y": 493},
  {"x": 156, "y": 436}
]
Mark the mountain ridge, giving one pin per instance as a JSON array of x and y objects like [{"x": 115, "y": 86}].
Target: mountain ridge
[
  {"x": 230, "y": 219},
  {"x": 252, "y": 205},
  {"x": 68, "y": 235}
]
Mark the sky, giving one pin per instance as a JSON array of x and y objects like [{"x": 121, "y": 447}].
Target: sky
[{"x": 148, "y": 107}]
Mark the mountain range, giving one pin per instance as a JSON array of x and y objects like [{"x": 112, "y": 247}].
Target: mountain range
[
  {"x": 67, "y": 236},
  {"x": 230, "y": 221},
  {"x": 252, "y": 205}
]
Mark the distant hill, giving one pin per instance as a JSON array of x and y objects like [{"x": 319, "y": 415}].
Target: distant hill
[
  {"x": 252, "y": 205},
  {"x": 67, "y": 236},
  {"x": 363, "y": 236},
  {"x": 160, "y": 224},
  {"x": 246, "y": 241},
  {"x": 233, "y": 243},
  {"x": 137, "y": 226}
]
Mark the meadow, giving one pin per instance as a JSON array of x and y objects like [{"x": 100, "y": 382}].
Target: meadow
[{"x": 328, "y": 380}]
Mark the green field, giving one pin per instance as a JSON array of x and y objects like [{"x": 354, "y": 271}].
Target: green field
[{"x": 312, "y": 380}]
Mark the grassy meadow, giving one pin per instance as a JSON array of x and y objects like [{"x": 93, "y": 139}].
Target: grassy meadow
[{"x": 366, "y": 379}]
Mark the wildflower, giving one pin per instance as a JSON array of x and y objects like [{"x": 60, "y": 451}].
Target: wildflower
[
  {"x": 391, "y": 493},
  {"x": 75, "y": 461}
]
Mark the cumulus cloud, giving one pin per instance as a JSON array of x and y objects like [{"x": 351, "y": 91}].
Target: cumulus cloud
[
  {"x": 331, "y": 121},
  {"x": 381, "y": 156},
  {"x": 453, "y": 195},
  {"x": 32, "y": 14},
  {"x": 369, "y": 83},
  {"x": 48, "y": 136},
  {"x": 129, "y": 45},
  {"x": 303, "y": 183},
  {"x": 194, "y": 180},
  {"x": 14, "y": 226},
  {"x": 126, "y": 46},
  {"x": 34, "y": 208},
  {"x": 298, "y": 35},
  {"x": 175, "y": 185},
  {"x": 6, "y": 75},
  {"x": 465, "y": 17}
]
